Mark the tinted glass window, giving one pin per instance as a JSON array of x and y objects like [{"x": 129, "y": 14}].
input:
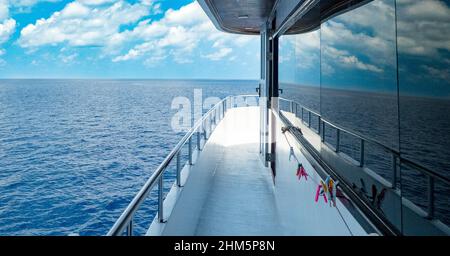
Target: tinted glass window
[
  {"x": 424, "y": 85},
  {"x": 379, "y": 71},
  {"x": 359, "y": 81}
]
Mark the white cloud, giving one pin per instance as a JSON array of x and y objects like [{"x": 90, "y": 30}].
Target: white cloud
[
  {"x": 423, "y": 27},
  {"x": 4, "y": 10},
  {"x": 178, "y": 34},
  {"x": 343, "y": 58},
  {"x": 7, "y": 28},
  {"x": 75, "y": 10},
  {"x": 80, "y": 24},
  {"x": 222, "y": 53},
  {"x": 437, "y": 72},
  {"x": 7, "y": 24},
  {"x": 355, "y": 40},
  {"x": 68, "y": 58},
  {"x": 96, "y": 2},
  {"x": 352, "y": 40},
  {"x": 26, "y": 5}
]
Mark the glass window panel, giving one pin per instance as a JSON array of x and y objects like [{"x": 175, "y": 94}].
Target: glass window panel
[
  {"x": 424, "y": 95},
  {"x": 359, "y": 81},
  {"x": 424, "y": 82},
  {"x": 299, "y": 68}
]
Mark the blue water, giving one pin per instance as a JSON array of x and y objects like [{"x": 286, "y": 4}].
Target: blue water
[{"x": 73, "y": 153}]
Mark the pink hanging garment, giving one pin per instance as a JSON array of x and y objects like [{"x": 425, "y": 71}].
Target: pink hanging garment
[
  {"x": 325, "y": 197},
  {"x": 301, "y": 172},
  {"x": 321, "y": 192},
  {"x": 318, "y": 193}
]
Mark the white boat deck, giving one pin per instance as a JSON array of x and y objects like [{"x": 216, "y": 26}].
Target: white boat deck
[
  {"x": 228, "y": 191},
  {"x": 241, "y": 199}
]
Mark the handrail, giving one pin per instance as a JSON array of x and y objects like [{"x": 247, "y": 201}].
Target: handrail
[
  {"x": 430, "y": 174},
  {"x": 125, "y": 221},
  {"x": 375, "y": 142}
]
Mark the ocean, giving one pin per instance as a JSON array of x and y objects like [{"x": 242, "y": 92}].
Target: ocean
[{"x": 73, "y": 153}]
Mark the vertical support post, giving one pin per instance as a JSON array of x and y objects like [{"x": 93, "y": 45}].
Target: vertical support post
[
  {"x": 309, "y": 119},
  {"x": 319, "y": 124},
  {"x": 223, "y": 109},
  {"x": 179, "y": 169},
  {"x": 198, "y": 141},
  {"x": 130, "y": 228},
  {"x": 160, "y": 200},
  {"x": 204, "y": 130},
  {"x": 291, "y": 107},
  {"x": 210, "y": 123},
  {"x": 302, "y": 116},
  {"x": 296, "y": 110},
  {"x": 338, "y": 139},
  {"x": 362, "y": 153},
  {"x": 323, "y": 131},
  {"x": 190, "y": 150},
  {"x": 394, "y": 170},
  {"x": 430, "y": 197}
]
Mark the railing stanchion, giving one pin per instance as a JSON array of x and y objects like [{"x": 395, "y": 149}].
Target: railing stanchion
[
  {"x": 309, "y": 119},
  {"x": 161, "y": 199},
  {"x": 179, "y": 169},
  {"x": 323, "y": 131},
  {"x": 430, "y": 197},
  {"x": 338, "y": 140},
  {"x": 394, "y": 171},
  {"x": 198, "y": 141},
  {"x": 319, "y": 124},
  {"x": 190, "y": 150},
  {"x": 130, "y": 228},
  {"x": 302, "y": 116},
  {"x": 204, "y": 130},
  {"x": 210, "y": 124},
  {"x": 362, "y": 153}
]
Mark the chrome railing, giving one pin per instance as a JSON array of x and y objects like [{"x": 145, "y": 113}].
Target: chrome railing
[
  {"x": 207, "y": 123},
  {"x": 397, "y": 159}
]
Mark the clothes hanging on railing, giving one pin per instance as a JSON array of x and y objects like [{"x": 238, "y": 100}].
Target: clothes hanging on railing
[
  {"x": 327, "y": 189},
  {"x": 301, "y": 172}
]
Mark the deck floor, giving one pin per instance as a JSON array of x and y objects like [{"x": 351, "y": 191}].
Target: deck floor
[{"x": 241, "y": 199}]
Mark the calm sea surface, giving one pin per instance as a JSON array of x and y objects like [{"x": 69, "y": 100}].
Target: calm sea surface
[{"x": 73, "y": 153}]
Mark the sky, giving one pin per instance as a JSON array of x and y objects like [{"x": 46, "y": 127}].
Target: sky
[
  {"x": 364, "y": 48},
  {"x": 160, "y": 39}
]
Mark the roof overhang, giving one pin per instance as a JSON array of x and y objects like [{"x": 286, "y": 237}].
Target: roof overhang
[
  {"x": 291, "y": 16},
  {"x": 238, "y": 16}
]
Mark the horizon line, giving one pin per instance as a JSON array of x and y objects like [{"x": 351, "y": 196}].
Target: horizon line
[{"x": 124, "y": 78}]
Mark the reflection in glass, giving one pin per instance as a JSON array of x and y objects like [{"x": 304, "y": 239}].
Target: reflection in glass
[
  {"x": 424, "y": 87},
  {"x": 359, "y": 83},
  {"x": 381, "y": 70},
  {"x": 299, "y": 68}
]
